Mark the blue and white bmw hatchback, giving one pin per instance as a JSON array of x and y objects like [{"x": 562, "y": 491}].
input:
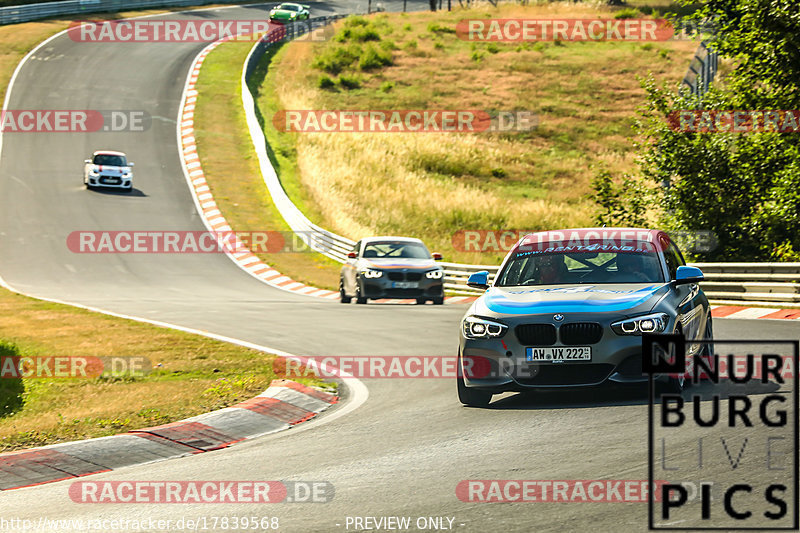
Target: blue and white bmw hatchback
[{"x": 567, "y": 309}]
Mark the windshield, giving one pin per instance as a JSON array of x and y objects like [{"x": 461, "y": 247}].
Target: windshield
[
  {"x": 395, "y": 250},
  {"x": 110, "y": 160},
  {"x": 531, "y": 268},
  {"x": 289, "y": 7}
]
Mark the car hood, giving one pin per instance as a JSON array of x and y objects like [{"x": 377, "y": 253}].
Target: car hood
[
  {"x": 397, "y": 263},
  {"x": 110, "y": 170},
  {"x": 283, "y": 12},
  {"x": 597, "y": 298}
]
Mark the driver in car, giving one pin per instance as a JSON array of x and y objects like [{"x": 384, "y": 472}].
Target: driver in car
[
  {"x": 632, "y": 268},
  {"x": 551, "y": 270}
]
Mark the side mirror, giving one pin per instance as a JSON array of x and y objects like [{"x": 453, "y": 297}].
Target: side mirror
[
  {"x": 87, "y": 160},
  {"x": 687, "y": 274},
  {"x": 437, "y": 256},
  {"x": 130, "y": 163},
  {"x": 479, "y": 280},
  {"x": 352, "y": 255}
]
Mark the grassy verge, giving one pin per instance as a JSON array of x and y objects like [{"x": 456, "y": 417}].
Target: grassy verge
[
  {"x": 232, "y": 170},
  {"x": 432, "y": 185},
  {"x": 190, "y": 374}
]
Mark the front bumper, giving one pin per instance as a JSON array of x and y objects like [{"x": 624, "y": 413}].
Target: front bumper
[
  {"x": 384, "y": 287},
  {"x": 114, "y": 182},
  {"x": 499, "y": 364}
]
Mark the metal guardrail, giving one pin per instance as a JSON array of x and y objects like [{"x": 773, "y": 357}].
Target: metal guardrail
[
  {"x": 318, "y": 239},
  {"x": 28, "y": 12},
  {"x": 702, "y": 70},
  {"x": 726, "y": 283}
]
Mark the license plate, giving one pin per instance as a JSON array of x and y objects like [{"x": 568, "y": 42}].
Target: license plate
[
  {"x": 567, "y": 353},
  {"x": 405, "y": 285},
  {"x": 110, "y": 180}
]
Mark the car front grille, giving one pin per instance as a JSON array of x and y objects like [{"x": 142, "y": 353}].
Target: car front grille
[
  {"x": 580, "y": 333},
  {"x": 400, "y": 276},
  {"x": 536, "y": 334}
]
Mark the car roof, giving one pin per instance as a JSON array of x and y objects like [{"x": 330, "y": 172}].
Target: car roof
[
  {"x": 108, "y": 152},
  {"x": 391, "y": 238},
  {"x": 566, "y": 237},
  {"x": 289, "y": 4}
]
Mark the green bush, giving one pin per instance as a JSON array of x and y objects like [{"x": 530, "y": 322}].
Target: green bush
[
  {"x": 349, "y": 82},
  {"x": 627, "y": 13},
  {"x": 386, "y": 86},
  {"x": 435, "y": 28},
  {"x": 373, "y": 58},
  {"x": 355, "y": 20},
  {"x": 324, "y": 82},
  {"x": 336, "y": 59}
]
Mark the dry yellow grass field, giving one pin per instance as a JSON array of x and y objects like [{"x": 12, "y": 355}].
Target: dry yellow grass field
[{"x": 431, "y": 185}]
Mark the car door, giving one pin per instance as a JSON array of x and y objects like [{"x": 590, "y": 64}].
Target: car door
[{"x": 691, "y": 312}]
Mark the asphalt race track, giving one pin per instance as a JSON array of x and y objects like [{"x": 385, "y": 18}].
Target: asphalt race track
[{"x": 403, "y": 452}]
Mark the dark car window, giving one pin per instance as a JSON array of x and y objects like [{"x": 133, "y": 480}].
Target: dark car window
[
  {"x": 289, "y": 7},
  {"x": 396, "y": 250},
  {"x": 110, "y": 160},
  {"x": 531, "y": 268},
  {"x": 673, "y": 258}
]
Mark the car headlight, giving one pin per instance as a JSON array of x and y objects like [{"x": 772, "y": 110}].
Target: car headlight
[
  {"x": 293, "y": 15},
  {"x": 93, "y": 172},
  {"x": 481, "y": 328},
  {"x": 369, "y": 273},
  {"x": 655, "y": 323},
  {"x": 434, "y": 274}
]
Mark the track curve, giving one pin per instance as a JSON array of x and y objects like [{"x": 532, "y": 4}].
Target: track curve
[{"x": 404, "y": 451}]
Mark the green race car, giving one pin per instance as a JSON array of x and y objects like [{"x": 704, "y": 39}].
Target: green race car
[{"x": 287, "y": 12}]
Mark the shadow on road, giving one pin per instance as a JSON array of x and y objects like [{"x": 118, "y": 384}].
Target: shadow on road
[{"x": 618, "y": 395}]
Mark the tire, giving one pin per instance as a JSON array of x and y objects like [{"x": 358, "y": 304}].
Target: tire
[
  {"x": 359, "y": 299},
  {"x": 127, "y": 189},
  {"x": 421, "y": 301},
  {"x": 343, "y": 298},
  {"x": 438, "y": 301},
  {"x": 469, "y": 396}
]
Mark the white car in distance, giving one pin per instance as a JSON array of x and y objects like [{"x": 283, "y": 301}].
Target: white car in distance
[{"x": 107, "y": 168}]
